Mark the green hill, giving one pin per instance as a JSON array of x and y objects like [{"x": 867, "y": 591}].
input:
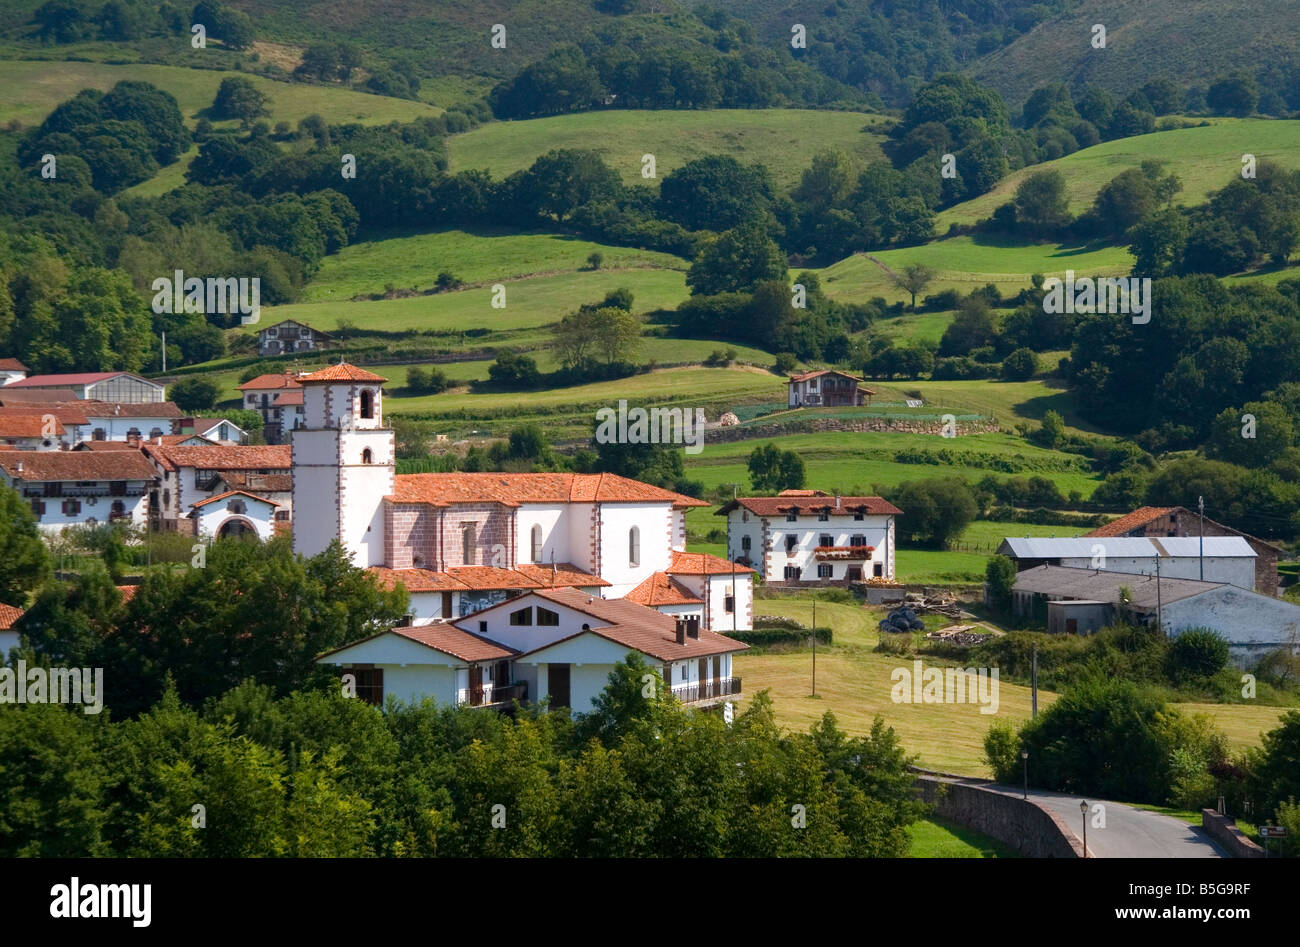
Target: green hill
[
  {"x": 1205, "y": 158},
  {"x": 1188, "y": 40},
  {"x": 783, "y": 139}
]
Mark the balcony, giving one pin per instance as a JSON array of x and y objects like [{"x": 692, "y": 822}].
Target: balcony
[
  {"x": 710, "y": 690},
  {"x": 489, "y": 696},
  {"x": 843, "y": 553}
]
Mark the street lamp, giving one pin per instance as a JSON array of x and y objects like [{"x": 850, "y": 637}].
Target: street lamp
[
  {"x": 1083, "y": 812},
  {"x": 1024, "y": 755}
]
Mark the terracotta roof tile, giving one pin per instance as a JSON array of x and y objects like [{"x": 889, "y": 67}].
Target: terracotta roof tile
[
  {"x": 272, "y": 381},
  {"x": 256, "y": 482},
  {"x": 565, "y": 575},
  {"x": 701, "y": 563},
  {"x": 78, "y": 465},
  {"x": 221, "y": 457},
  {"x": 1139, "y": 517},
  {"x": 662, "y": 589},
  {"x": 340, "y": 372},
  {"x": 69, "y": 380},
  {"x": 231, "y": 493},
  {"x": 513, "y": 489},
  {"x": 8, "y": 615},
  {"x": 63, "y": 414},
  {"x": 27, "y": 425},
  {"x": 11, "y": 365},
  {"x": 454, "y": 641}
]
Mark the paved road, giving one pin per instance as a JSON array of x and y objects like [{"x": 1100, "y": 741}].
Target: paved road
[{"x": 1129, "y": 832}]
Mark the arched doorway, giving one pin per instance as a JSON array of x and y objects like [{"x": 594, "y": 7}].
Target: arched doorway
[{"x": 237, "y": 528}]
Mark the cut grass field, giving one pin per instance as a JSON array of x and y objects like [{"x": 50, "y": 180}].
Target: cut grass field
[
  {"x": 30, "y": 90},
  {"x": 967, "y": 263},
  {"x": 854, "y": 683},
  {"x": 413, "y": 261},
  {"x": 1205, "y": 159},
  {"x": 937, "y": 838},
  {"x": 782, "y": 139}
]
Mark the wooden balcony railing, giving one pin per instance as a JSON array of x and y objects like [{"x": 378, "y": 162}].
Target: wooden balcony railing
[{"x": 707, "y": 690}]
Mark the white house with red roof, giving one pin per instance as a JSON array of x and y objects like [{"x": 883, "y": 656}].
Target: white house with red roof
[
  {"x": 279, "y": 398},
  {"x": 124, "y": 387},
  {"x": 827, "y": 388},
  {"x": 9, "y": 615},
  {"x": 188, "y": 475},
  {"x": 71, "y": 488},
  {"x": 468, "y": 544},
  {"x": 234, "y": 514},
  {"x": 11, "y": 370},
  {"x": 808, "y": 537}
]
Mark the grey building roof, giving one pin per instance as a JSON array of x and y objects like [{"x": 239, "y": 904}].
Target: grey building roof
[
  {"x": 1125, "y": 547},
  {"x": 1063, "y": 582}
]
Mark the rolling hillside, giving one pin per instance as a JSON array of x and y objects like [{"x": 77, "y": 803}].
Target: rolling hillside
[{"x": 783, "y": 139}]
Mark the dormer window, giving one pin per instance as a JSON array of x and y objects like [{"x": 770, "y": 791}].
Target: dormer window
[
  {"x": 792, "y": 517},
  {"x": 824, "y": 516}
]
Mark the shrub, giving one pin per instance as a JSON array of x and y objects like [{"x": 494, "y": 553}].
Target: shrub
[
  {"x": 1197, "y": 653},
  {"x": 1020, "y": 365},
  {"x": 785, "y": 363},
  {"x": 765, "y": 637},
  {"x": 1002, "y": 753}
]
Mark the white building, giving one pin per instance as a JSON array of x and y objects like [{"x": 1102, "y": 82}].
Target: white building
[
  {"x": 123, "y": 387},
  {"x": 464, "y": 543},
  {"x": 827, "y": 389},
  {"x": 187, "y": 475},
  {"x": 811, "y": 537},
  {"x": 1226, "y": 559},
  {"x": 234, "y": 514},
  {"x": 289, "y": 336},
  {"x": 32, "y": 432},
  {"x": 67, "y": 488},
  {"x": 11, "y": 370},
  {"x": 279, "y": 398},
  {"x": 9, "y": 615}
]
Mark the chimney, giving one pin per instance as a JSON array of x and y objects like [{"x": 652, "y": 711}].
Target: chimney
[
  {"x": 837, "y": 499},
  {"x": 693, "y": 628},
  {"x": 20, "y": 466},
  {"x": 681, "y": 631}
]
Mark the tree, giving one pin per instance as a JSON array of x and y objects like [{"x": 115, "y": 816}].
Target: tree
[
  {"x": 1053, "y": 430},
  {"x": 561, "y": 181},
  {"x": 1233, "y": 94},
  {"x": 1041, "y": 204},
  {"x": 737, "y": 261},
  {"x": 514, "y": 371},
  {"x": 1000, "y": 574},
  {"x": 1157, "y": 243},
  {"x": 1197, "y": 653},
  {"x": 24, "y": 561},
  {"x": 715, "y": 193},
  {"x": 1020, "y": 365},
  {"x": 971, "y": 328},
  {"x": 194, "y": 394},
  {"x": 936, "y": 510},
  {"x": 238, "y": 98},
  {"x": 771, "y": 468},
  {"x": 594, "y": 260},
  {"x": 914, "y": 278},
  {"x": 613, "y": 333}
]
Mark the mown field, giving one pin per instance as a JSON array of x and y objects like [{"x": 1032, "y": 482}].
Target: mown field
[
  {"x": 414, "y": 261},
  {"x": 854, "y": 683},
  {"x": 967, "y": 263},
  {"x": 1204, "y": 158},
  {"x": 30, "y": 90},
  {"x": 783, "y": 139}
]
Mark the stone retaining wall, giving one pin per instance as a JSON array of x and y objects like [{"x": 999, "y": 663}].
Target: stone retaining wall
[
  {"x": 1021, "y": 824},
  {"x": 1224, "y": 830}
]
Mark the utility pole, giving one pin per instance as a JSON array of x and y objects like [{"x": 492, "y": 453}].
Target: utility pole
[
  {"x": 1159, "y": 605},
  {"x": 1200, "y": 505},
  {"x": 814, "y": 637},
  {"x": 735, "y": 599},
  {"x": 164, "y": 337},
  {"x": 1033, "y": 680}
]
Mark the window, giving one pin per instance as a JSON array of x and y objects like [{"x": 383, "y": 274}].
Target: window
[
  {"x": 792, "y": 517},
  {"x": 367, "y": 403},
  {"x": 119, "y": 509},
  {"x": 824, "y": 570},
  {"x": 857, "y": 541},
  {"x": 54, "y": 489},
  {"x": 854, "y": 574},
  {"x": 729, "y": 604},
  {"x": 634, "y": 546},
  {"x": 537, "y": 542},
  {"x": 237, "y": 506},
  {"x": 117, "y": 488},
  {"x": 38, "y": 508},
  {"x": 859, "y": 516},
  {"x": 522, "y": 616},
  {"x": 367, "y": 457},
  {"x": 99, "y": 435},
  {"x": 482, "y": 627},
  {"x": 155, "y": 433},
  {"x": 745, "y": 543},
  {"x": 825, "y": 539},
  {"x": 272, "y": 333},
  {"x": 824, "y": 516},
  {"x": 791, "y": 543},
  {"x": 304, "y": 333},
  {"x": 744, "y": 516},
  {"x": 792, "y": 572},
  {"x": 467, "y": 544},
  {"x": 369, "y": 684},
  {"x": 879, "y": 570},
  {"x": 547, "y": 617},
  {"x": 133, "y": 433},
  {"x": 282, "y": 516},
  {"x": 71, "y": 507}
]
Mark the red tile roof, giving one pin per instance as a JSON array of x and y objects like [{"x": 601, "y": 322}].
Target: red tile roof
[
  {"x": 8, "y": 615},
  {"x": 340, "y": 372},
  {"x": 128, "y": 592},
  {"x": 78, "y": 465},
  {"x": 143, "y": 409},
  {"x": 564, "y": 575},
  {"x": 106, "y": 446},
  {"x": 487, "y": 578},
  {"x": 288, "y": 397},
  {"x": 259, "y": 483},
  {"x": 9, "y": 397},
  {"x": 661, "y": 589},
  {"x": 26, "y": 425},
  {"x": 513, "y": 489},
  {"x": 442, "y": 637},
  {"x": 780, "y": 505},
  {"x": 1139, "y": 517},
  {"x": 272, "y": 381},
  {"x": 11, "y": 365},
  {"x": 701, "y": 563},
  {"x": 221, "y": 457},
  {"x": 231, "y": 493},
  {"x": 804, "y": 376},
  {"x": 637, "y": 627}
]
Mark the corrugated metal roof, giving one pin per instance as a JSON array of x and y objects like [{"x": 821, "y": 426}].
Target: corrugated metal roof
[
  {"x": 1060, "y": 582},
  {"x": 1124, "y": 547}
]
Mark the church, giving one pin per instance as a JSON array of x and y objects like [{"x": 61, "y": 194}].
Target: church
[{"x": 527, "y": 586}]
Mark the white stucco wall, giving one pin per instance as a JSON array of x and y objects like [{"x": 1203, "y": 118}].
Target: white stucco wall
[
  {"x": 557, "y": 532},
  {"x": 261, "y": 516},
  {"x": 654, "y": 520},
  {"x": 1253, "y": 624},
  {"x": 1234, "y": 570}
]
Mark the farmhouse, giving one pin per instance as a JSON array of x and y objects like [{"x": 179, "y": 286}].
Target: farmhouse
[
  {"x": 188, "y": 475},
  {"x": 827, "y": 388},
  {"x": 807, "y": 537},
  {"x": 67, "y": 488},
  {"x": 11, "y": 370},
  {"x": 1081, "y": 601},
  {"x": 279, "y": 399},
  {"x": 1227, "y": 559},
  {"x": 289, "y": 336},
  {"x": 515, "y": 575},
  {"x": 1180, "y": 521},
  {"x": 122, "y": 387},
  {"x": 9, "y": 615}
]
